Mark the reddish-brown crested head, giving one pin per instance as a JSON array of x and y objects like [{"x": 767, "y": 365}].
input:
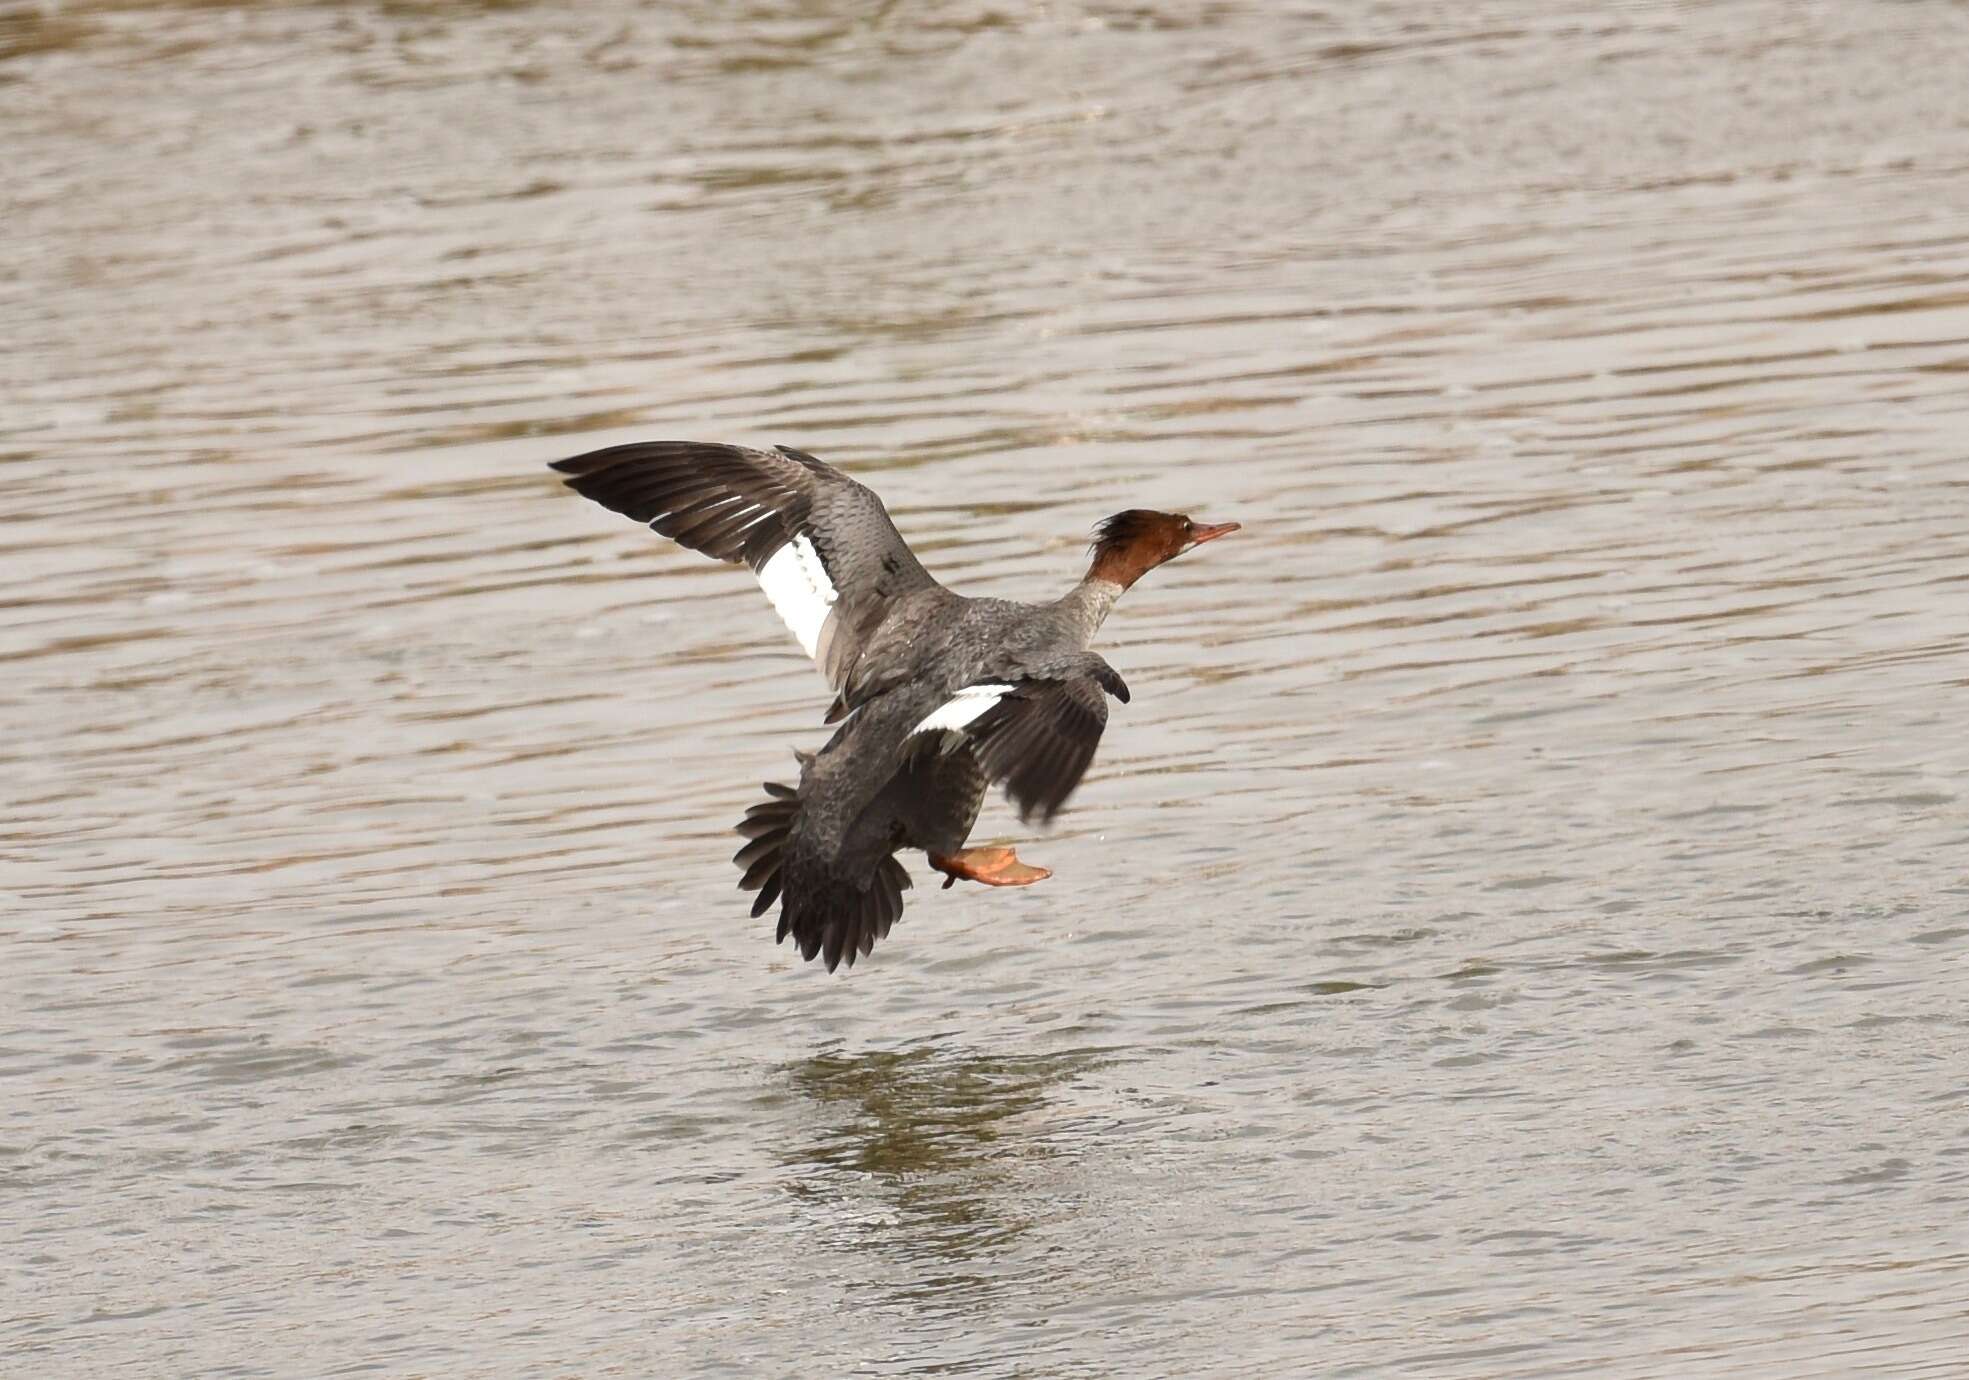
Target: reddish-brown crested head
[{"x": 1129, "y": 545}]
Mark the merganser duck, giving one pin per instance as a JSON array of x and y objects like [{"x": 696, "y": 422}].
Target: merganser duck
[{"x": 938, "y": 696}]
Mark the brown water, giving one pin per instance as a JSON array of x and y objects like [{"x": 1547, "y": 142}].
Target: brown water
[{"x": 1520, "y": 926}]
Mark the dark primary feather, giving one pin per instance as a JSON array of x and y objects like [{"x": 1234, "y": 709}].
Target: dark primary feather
[
  {"x": 1040, "y": 739},
  {"x": 742, "y": 505}
]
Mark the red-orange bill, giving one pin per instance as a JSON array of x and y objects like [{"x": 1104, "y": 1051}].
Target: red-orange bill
[{"x": 1209, "y": 531}]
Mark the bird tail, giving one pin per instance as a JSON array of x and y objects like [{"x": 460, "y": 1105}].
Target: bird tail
[{"x": 827, "y": 912}]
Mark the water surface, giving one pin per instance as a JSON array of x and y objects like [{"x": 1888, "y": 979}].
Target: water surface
[{"x": 1518, "y": 927}]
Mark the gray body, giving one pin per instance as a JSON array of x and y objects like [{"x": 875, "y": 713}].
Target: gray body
[{"x": 933, "y": 644}]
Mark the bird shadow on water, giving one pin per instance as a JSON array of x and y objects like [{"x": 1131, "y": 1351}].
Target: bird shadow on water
[{"x": 935, "y": 1160}]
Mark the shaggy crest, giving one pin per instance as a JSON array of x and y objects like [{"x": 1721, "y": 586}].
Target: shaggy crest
[
  {"x": 1129, "y": 545},
  {"x": 1125, "y": 529}
]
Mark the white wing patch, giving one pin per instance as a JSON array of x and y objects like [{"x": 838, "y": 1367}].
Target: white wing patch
[
  {"x": 797, "y": 583},
  {"x": 955, "y": 714}
]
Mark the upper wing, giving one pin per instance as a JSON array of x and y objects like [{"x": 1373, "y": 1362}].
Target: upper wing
[
  {"x": 822, "y": 545},
  {"x": 1035, "y": 734}
]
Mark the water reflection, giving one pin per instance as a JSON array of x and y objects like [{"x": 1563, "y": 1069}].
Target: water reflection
[{"x": 933, "y": 1156}]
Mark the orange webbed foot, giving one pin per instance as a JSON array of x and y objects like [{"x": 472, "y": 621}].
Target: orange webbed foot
[{"x": 992, "y": 866}]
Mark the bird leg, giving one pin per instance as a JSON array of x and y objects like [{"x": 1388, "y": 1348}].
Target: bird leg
[{"x": 992, "y": 866}]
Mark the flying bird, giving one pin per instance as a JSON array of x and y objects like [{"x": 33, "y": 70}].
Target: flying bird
[{"x": 938, "y": 696}]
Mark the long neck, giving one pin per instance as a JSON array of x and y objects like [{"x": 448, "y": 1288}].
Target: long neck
[{"x": 1086, "y": 605}]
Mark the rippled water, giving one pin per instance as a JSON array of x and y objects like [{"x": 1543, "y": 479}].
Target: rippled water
[{"x": 1518, "y": 927}]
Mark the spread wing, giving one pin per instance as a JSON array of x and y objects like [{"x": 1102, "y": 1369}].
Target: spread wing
[
  {"x": 1036, "y": 734},
  {"x": 823, "y": 546}
]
